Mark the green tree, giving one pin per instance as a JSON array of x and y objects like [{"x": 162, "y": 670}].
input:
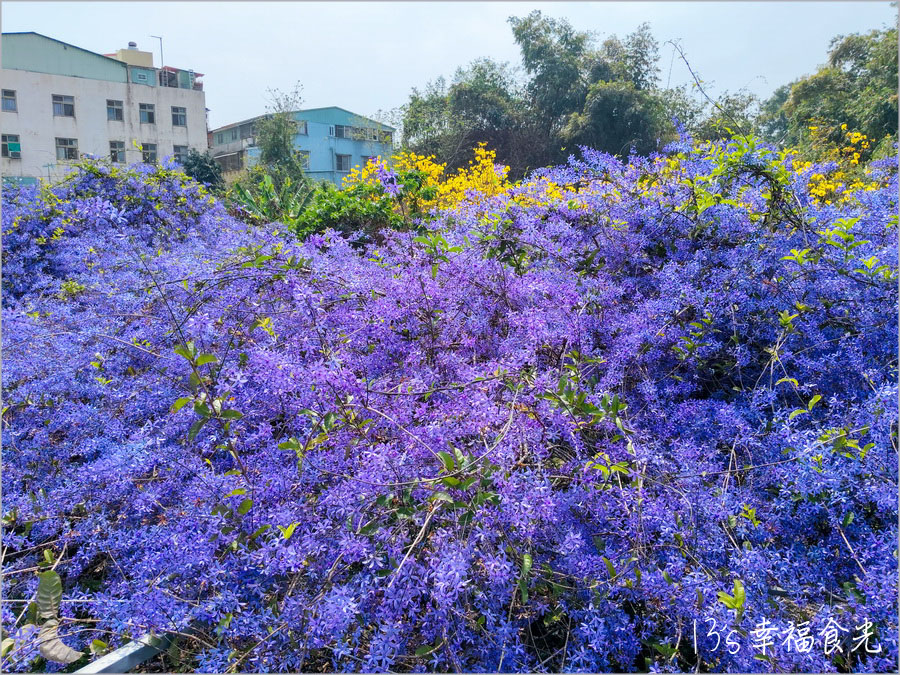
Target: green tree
[
  {"x": 606, "y": 98},
  {"x": 772, "y": 122},
  {"x": 556, "y": 56},
  {"x": 482, "y": 104},
  {"x": 639, "y": 59},
  {"x": 618, "y": 117},
  {"x": 856, "y": 88},
  {"x": 730, "y": 113},
  {"x": 276, "y": 133},
  {"x": 204, "y": 169}
]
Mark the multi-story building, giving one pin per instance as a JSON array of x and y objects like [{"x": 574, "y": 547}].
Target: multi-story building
[
  {"x": 61, "y": 102},
  {"x": 331, "y": 140}
]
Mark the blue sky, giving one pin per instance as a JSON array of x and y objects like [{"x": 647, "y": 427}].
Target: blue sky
[{"x": 367, "y": 56}]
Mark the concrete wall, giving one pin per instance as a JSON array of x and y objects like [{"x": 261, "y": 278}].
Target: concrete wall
[
  {"x": 323, "y": 150},
  {"x": 38, "y": 128}
]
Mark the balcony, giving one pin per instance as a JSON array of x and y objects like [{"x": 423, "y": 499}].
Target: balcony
[{"x": 180, "y": 79}]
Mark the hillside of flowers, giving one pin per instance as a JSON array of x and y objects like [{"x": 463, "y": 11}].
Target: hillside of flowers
[{"x": 622, "y": 416}]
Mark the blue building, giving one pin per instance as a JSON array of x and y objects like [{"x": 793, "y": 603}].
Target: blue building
[{"x": 332, "y": 140}]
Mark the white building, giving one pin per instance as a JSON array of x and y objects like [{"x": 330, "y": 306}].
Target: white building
[{"x": 60, "y": 102}]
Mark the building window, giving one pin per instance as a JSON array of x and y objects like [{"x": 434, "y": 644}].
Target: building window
[
  {"x": 234, "y": 133},
  {"x": 304, "y": 159},
  {"x": 66, "y": 148},
  {"x": 9, "y": 100},
  {"x": 114, "y": 110},
  {"x": 220, "y": 138},
  {"x": 180, "y": 153},
  {"x": 342, "y": 162},
  {"x": 341, "y": 131},
  {"x": 179, "y": 116},
  {"x": 117, "y": 152},
  {"x": 63, "y": 106},
  {"x": 387, "y": 137},
  {"x": 148, "y": 153},
  {"x": 11, "y": 147},
  {"x": 148, "y": 113},
  {"x": 301, "y": 127}
]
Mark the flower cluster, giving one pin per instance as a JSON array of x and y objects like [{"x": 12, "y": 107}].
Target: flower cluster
[
  {"x": 425, "y": 185},
  {"x": 555, "y": 429}
]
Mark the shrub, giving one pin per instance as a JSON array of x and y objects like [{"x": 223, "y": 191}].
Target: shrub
[{"x": 555, "y": 429}]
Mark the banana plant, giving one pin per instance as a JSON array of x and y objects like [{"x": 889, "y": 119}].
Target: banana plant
[{"x": 269, "y": 203}]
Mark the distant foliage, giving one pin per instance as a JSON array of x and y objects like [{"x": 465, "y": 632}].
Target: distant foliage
[
  {"x": 541, "y": 426},
  {"x": 275, "y": 135},
  {"x": 204, "y": 169},
  {"x": 401, "y": 196},
  {"x": 856, "y": 89}
]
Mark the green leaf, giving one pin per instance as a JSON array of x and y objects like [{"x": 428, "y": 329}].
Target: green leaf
[
  {"x": 232, "y": 414},
  {"x": 523, "y": 576},
  {"x": 812, "y": 402},
  {"x": 527, "y": 562},
  {"x": 99, "y": 647},
  {"x": 180, "y": 403},
  {"x": 287, "y": 532},
  {"x": 260, "y": 530},
  {"x": 424, "y": 650},
  {"x": 236, "y": 492},
  {"x": 739, "y": 595},
  {"x": 195, "y": 428},
  {"x": 609, "y": 567},
  {"x": 798, "y": 411},
  {"x": 245, "y": 506},
  {"x": 203, "y": 359},
  {"x": 467, "y": 483},
  {"x": 49, "y": 594},
  {"x": 735, "y": 601},
  {"x": 447, "y": 460},
  {"x": 187, "y": 351}
]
